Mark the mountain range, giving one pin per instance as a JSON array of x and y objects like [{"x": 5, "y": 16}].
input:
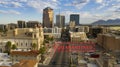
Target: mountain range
[{"x": 107, "y": 22}]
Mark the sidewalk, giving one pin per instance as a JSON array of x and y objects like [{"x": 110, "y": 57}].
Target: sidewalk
[{"x": 49, "y": 57}]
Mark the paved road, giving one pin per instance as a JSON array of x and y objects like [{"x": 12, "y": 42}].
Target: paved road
[{"x": 60, "y": 59}]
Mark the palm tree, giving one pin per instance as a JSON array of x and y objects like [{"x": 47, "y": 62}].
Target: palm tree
[
  {"x": 34, "y": 45},
  {"x": 14, "y": 46}
]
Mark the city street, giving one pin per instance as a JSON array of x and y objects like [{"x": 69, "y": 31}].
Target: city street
[{"x": 60, "y": 59}]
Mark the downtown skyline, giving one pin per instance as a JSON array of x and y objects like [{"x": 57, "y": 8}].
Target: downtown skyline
[{"x": 90, "y": 10}]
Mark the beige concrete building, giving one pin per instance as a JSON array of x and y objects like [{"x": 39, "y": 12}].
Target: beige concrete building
[
  {"x": 55, "y": 32},
  {"x": 78, "y": 36},
  {"x": 48, "y": 17},
  {"x": 109, "y": 41},
  {"x": 82, "y": 29},
  {"x": 23, "y": 38},
  {"x": 72, "y": 25},
  {"x": 11, "y": 26}
]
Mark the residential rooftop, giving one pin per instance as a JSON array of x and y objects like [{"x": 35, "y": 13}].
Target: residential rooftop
[
  {"x": 25, "y": 63},
  {"x": 25, "y": 53}
]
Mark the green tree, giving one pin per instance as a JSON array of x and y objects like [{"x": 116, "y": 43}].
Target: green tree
[
  {"x": 34, "y": 45},
  {"x": 42, "y": 50},
  {"x": 51, "y": 39},
  {"x": 8, "y": 46},
  {"x": 1, "y": 30},
  {"x": 43, "y": 43},
  {"x": 14, "y": 46},
  {"x": 46, "y": 41}
]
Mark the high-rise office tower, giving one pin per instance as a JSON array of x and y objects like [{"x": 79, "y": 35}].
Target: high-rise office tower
[
  {"x": 33, "y": 24},
  {"x": 21, "y": 24},
  {"x": 48, "y": 17},
  {"x": 75, "y": 17},
  {"x": 60, "y": 21}
]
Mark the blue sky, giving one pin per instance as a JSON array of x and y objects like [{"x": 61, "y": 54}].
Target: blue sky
[{"x": 89, "y": 10}]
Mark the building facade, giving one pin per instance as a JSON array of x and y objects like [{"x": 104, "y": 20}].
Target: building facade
[
  {"x": 78, "y": 36},
  {"x": 21, "y": 24},
  {"x": 109, "y": 41},
  {"x": 75, "y": 17},
  {"x": 23, "y": 38},
  {"x": 11, "y": 26},
  {"x": 55, "y": 32},
  {"x": 48, "y": 17},
  {"x": 2, "y": 27},
  {"x": 82, "y": 29},
  {"x": 72, "y": 26},
  {"x": 60, "y": 21},
  {"x": 33, "y": 24}
]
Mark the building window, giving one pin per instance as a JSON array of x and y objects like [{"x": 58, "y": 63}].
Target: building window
[
  {"x": 31, "y": 44},
  {"x": 26, "y": 44},
  {"x": 21, "y": 44},
  {"x": 35, "y": 35},
  {"x": 17, "y": 44}
]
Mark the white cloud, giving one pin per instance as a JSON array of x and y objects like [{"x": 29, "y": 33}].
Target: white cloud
[
  {"x": 78, "y": 3},
  {"x": 85, "y": 17},
  {"x": 9, "y": 3},
  {"x": 17, "y": 4},
  {"x": 39, "y": 5},
  {"x": 54, "y": 0},
  {"x": 9, "y": 12},
  {"x": 104, "y": 3},
  {"x": 99, "y": 1}
]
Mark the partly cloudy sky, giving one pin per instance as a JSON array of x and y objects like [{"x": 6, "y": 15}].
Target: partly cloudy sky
[{"x": 89, "y": 10}]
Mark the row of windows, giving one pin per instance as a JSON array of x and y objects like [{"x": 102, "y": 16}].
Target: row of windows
[{"x": 22, "y": 44}]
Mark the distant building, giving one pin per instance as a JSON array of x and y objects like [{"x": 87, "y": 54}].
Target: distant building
[
  {"x": 78, "y": 36},
  {"x": 2, "y": 27},
  {"x": 72, "y": 26},
  {"x": 48, "y": 17},
  {"x": 75, "y": 17},
  {"x": 21, "y": 24},
  {"x": 11, "y": 26},
  {"x": 60, "y": 21},
  {"x": 55, "y": 32},
  {"x": 82, "y": 29},
  {"x": 33, "y": 24},
  {"x": 94, "y": 31}
]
